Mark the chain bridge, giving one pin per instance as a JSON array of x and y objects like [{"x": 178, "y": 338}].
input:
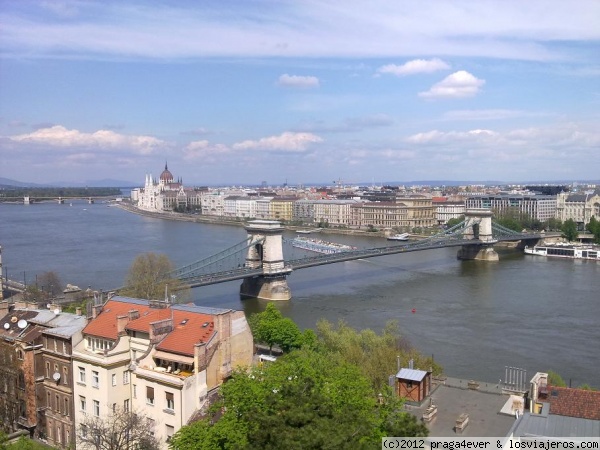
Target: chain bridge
[{"x": 259, "y": 260}]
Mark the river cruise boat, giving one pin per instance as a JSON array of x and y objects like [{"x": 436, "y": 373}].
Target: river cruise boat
[
  {"x": 319, "y": 246},
  {"x": 570, "y": 251},
  {"x": 398, "y": 237}
]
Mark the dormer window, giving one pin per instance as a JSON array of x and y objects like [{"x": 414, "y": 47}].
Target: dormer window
[{"x": 98, "y": 344}]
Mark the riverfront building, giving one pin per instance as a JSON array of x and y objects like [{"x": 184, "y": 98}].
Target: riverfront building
[
  {"x": 578, "y": 207},
  {"x": 538, "y": 207}
]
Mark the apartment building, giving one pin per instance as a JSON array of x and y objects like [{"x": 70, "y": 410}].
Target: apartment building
[
  {"x": 282, "y": 208},
  {"x": 446, "y": 209},
  {"x": 333, "y": 212},
  {"x": 158, "y": 359}
]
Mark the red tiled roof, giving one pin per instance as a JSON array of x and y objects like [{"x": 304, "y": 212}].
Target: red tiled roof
[
  {"x": 188, "y": 327},
  {"x": 185, "y": 335},
  {"x": 581, "y": 403}
]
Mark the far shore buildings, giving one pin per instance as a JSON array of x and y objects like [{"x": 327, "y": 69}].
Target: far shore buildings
[{"x": 359, "y": 208}]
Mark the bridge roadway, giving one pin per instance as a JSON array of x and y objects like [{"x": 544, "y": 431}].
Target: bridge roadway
[{"x": 312, "y": 261}]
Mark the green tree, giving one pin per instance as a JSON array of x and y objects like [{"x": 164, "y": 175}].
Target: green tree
[
  {"x": 554, "y": 379},
  {"x": 149, "y": 278},
  {"x": 50, "y": 283},
  {"x": 553, "y": 224},
  {"x": 378, "y": 355},
  {"x": 306, "y": 400},
  {"x": 271, "y": 328},
  {"x": 453, "y": 222},
  {"x": 569, "y": 230},
  {"x": 594, "y": 227}
]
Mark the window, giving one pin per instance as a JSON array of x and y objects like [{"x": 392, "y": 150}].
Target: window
[
  {"x": 82, "y": 374},
  {"x": 65, "y": 375},
  {"x": 84, "y": 430},
  {"x": 64, "y": 347},
  {"x": 57, "y": 404},
  {"x": 126, "y": 405},
  {"x": 20, "y": 354},
  {"x": 170, "y": 400},
  {"x": 48, "y": 400},
  {"x": 134, "y": 391},
  {"x": 170, "y": 430},
  {"x": 96, "y": 408},
  {"x": 47, "y": 370},
  {"x": 82, "y": 403},
  {"x": 114, "y": 407},
  {"x": 114, "y": 379},
  {"x": 125, "y": 377},
  {"x": 95, "y": 379},
  {"x": 66, "y": 410},
  {"x": 150, "y": 395}
]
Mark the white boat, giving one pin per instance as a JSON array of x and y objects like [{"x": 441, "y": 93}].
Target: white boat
[
  {"x": 319, "y": 246},
  {"x": 569, "y": 251},
  {"x": 316, "y": 230},
  {"x": 398, "y": 237}
]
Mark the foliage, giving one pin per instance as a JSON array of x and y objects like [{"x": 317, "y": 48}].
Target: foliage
[
  {"x": 553, "y": 224},
  {"x": 587, "y": 387},
  {"x": 148, "y": 278},
  {"x": 118, "y": 430},
  {"x": 50, "y": 282},
  {"x": 594, "y": 227},
  {"x": 569, "y": 230},
  {"x": 10, "y": 370},
  {"x": 271, "y": 328},
  {"x": 554, "y": 379},
  {"x": 308, "y": 399},
  {"x": 453, "y": 222},
  {"x": 378, "y": 356}
]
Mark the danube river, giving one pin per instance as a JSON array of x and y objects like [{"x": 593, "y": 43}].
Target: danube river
[{"x": 474, "y": 317}]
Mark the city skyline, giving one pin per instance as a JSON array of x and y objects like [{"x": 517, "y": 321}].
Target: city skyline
[{"x": 241, "y": 92}]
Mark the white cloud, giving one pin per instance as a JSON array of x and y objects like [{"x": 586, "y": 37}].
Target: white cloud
[
  {"x": 59, "y": 136},
  {"x": 440, "y": 137},
  {"x": 298, "y": 81},
  {"x": 204, "y": 149},
  {"x": 460, "y": 84},
  {"x": 489, "y": 114},
  {"x": 285, "y": 142},
  {"x": 415, "y": 66}
]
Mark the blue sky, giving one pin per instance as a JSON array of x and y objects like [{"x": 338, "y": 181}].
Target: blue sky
[{"x": 232, "y": 92}]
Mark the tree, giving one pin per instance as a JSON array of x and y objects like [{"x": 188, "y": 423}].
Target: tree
[
  {"x": 149, "y": 277},
  {"x": 50, "y": 282},
  {"x": 594, "y": 227},
  {"x": 453, "y": 222},
  {"x": 308, "y": 399},
  {"x": 554, "y": 379},
  {"x": 377, "y": 355},
  {"x": 569, "y": 230},
  {"x": 118, "y": 430},
  {"x": 271, "y": 328}
]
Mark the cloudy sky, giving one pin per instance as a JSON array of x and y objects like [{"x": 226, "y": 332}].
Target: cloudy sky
[{"x": 232, "y": 92}]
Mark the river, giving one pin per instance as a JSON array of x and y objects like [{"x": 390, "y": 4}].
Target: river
[{"x": 474, "y": 317}]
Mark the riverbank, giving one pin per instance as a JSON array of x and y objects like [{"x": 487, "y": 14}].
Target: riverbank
[{"x": 218, "y": 220}]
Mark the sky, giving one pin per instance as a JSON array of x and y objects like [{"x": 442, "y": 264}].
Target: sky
[{"x": 300, "y": 91}]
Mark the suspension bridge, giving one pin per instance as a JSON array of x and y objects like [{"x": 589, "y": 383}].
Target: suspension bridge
[{"x": 259, "y": 259}]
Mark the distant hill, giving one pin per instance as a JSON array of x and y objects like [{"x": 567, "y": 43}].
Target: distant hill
[{"x": 8, "y": 183}]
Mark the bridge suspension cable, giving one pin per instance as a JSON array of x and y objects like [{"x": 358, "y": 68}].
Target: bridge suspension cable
[{"x": 192, "y": 270}]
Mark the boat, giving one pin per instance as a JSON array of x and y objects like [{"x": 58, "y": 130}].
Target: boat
[
  {"x": 319, "y": 246},
  {"x": 398, "y": 237},
  {"x": 316, "y": 230},
  {"x": 569, "y": 251}
]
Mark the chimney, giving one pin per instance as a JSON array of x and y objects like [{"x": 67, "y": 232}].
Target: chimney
[
  {"x": 133, "y": 314},
  {"x": 122, "y": 323},
  {"x": 78, "y": 310},
  {"x": 3, "y": 308},
  {"x": 96, "y": 309}
]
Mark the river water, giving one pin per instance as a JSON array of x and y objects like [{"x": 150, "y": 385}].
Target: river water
[{"x": 474, "y": 317}]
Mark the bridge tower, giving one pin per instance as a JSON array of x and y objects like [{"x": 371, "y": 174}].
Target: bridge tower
[
  {"x": 266, "y": 253},
  {"x": 478, "y": 226}
]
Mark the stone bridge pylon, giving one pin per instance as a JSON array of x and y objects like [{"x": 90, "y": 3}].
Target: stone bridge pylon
[
  {"x": 478, "y": 226},
  {"x": 266, "y": 253}
]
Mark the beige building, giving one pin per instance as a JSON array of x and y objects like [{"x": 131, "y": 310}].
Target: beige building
[
  {"x": 378, "y": 215},
  {"x": 578, "y": 207},
  {"x": 333, "y": 212},
  {"x": 420, "y": 211},
  {"x": 282, "y": 208},
  {"x": 159, "y": 359}
]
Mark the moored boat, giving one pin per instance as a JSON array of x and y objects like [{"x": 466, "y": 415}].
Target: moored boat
[
  {"x": 319, "y": 246},
  {"x": 398, "y": 237},
  {"x": 569, "y": 251}
]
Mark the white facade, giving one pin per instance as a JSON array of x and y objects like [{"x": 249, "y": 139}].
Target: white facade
[{"x": 334, "y": 212}]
